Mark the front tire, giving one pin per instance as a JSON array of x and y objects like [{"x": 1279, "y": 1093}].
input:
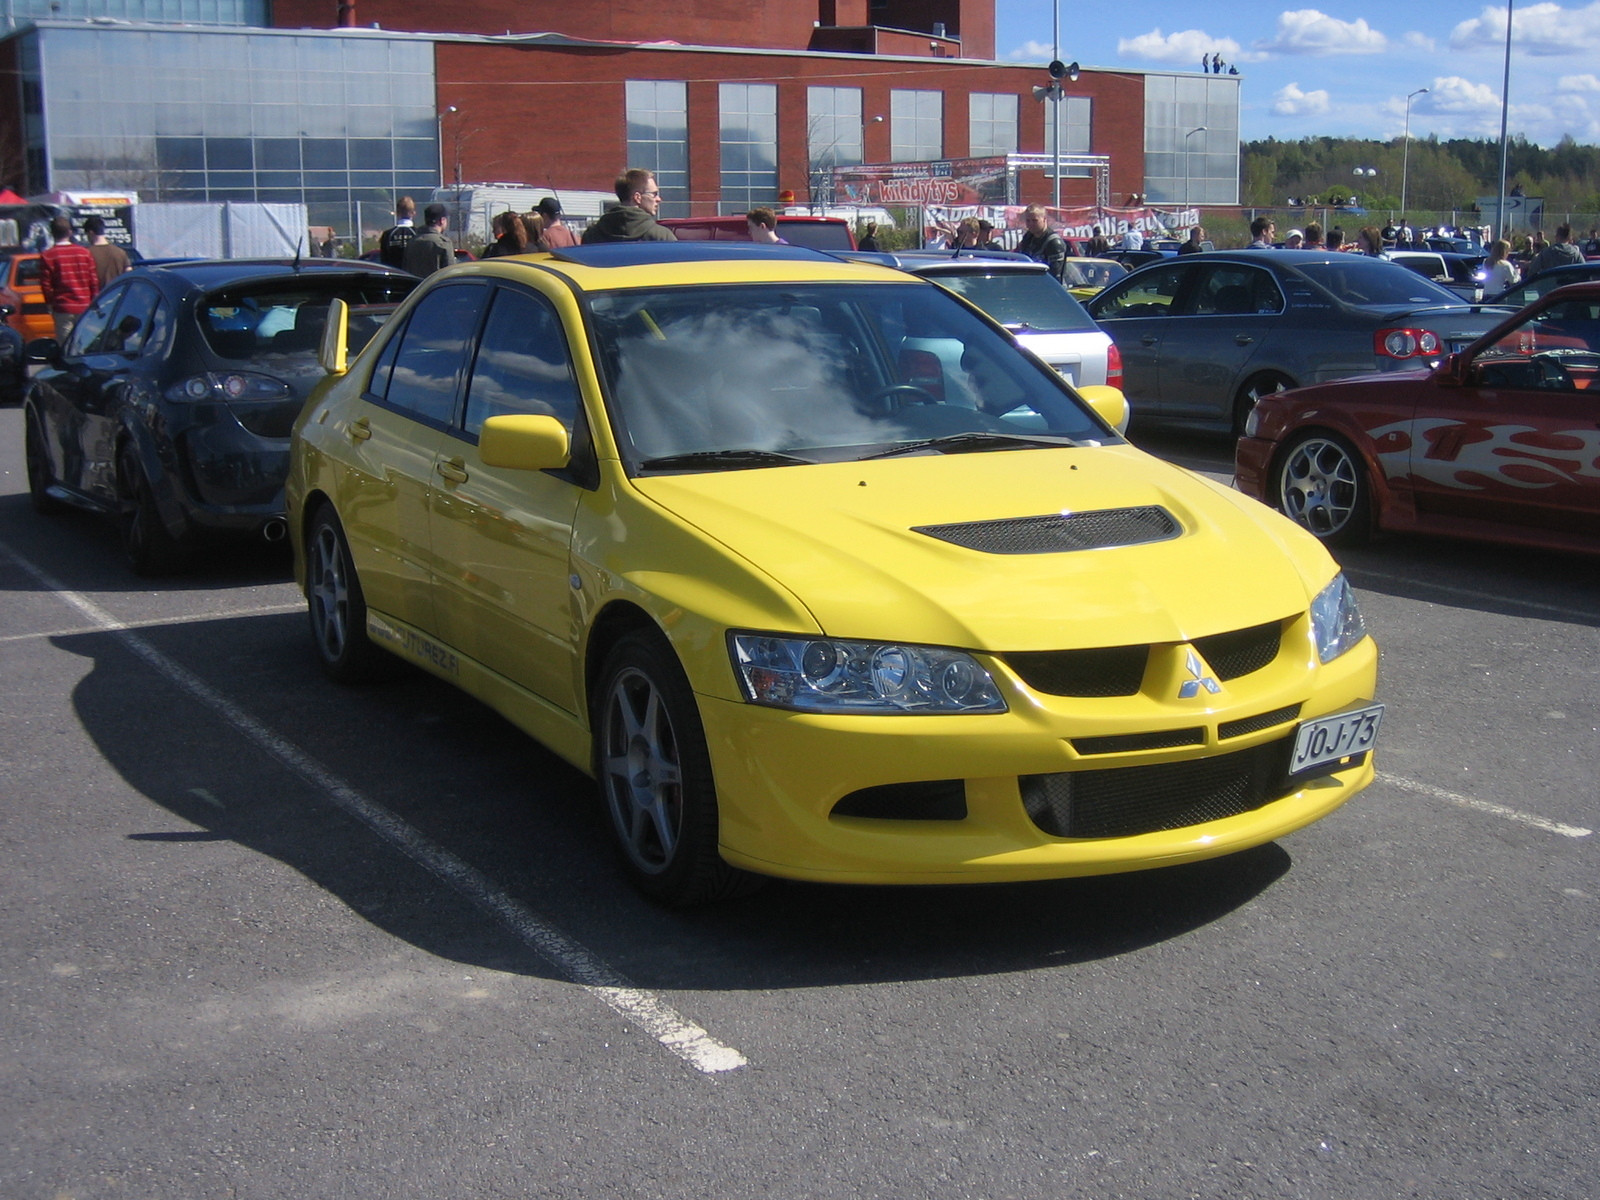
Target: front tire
[
  {"x": 1322, "y": 486},
  {"x": 654, "y": 772},
  {"x": 337, "y": 610}
]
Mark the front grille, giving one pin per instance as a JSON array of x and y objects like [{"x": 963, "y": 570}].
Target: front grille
[
  {"x": 1233, "y": 729},
  {"x": 1124, "y": 743},
  {"x": 1127, "y": 801},
  {"x": 1240, "y": 651},
  {"x": 935, "y": 800},
  {"x": 1108, "y": 671},
  {"x": 1055, "y": 533}
]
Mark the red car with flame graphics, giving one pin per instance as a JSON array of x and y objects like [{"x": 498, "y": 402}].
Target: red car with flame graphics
[{"x": 1501, "y": 443}]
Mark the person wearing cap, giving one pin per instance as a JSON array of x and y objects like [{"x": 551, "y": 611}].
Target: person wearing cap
[
  {"x": 986, "y": 238},
  {"x": 556, "y": 233},
  {"x": 1293, "y": 240}
]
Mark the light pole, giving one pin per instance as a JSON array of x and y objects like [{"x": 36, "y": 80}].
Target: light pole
[
  {"x": 1361, "y": 173},
  {"x": 1405, "y": 150},
  {"x": 439, "y": 121},
  {"x": 1186, "y": 137},
  {"x": 1505, "y": 111}
]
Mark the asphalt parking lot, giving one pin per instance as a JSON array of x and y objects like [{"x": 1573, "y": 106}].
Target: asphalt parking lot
[{"x": 264, "y": 937}]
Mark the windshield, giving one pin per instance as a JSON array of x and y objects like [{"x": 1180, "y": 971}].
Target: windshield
[
  {"x": 719, "y": 378},
  {"x": 1376, "y": 283},
  {"x": 1021, "y": 300}
]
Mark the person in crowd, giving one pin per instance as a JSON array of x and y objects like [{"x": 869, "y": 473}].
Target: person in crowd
[
  {"x": 634, "y": 219},
  {"x": 1499, "y": 272},
  {"x": 1558, "y": 253},
  {"x": 1369, "y": 241},
  {"x": 393, "y": 241},
  {"x": 510, "y": 236},
  {"x": 1294, "y": 240},
  {"x": 1099, "y": 243},
  {"x": 67, "y": 276},
  {"x": 986, "y": 238},
  {"x": 431, "y": 251},
  {"x": 1404, "y": 236},
  {"x": 869, "y": 239},
  {"x": 1040, "y": 242},
  {"x": 555, "y": 235},
  {"x": 1313, "y": 238},
  {"x": 967, "y": 235},
  {"x": 109, "y": 260},
  {"x": 1262, "y": 230},
  {"x": 762, "y": 224},
  {"x": 1197, "y": 235},
  {"x": 1335, "y": 239},
  {"x": 1133, "y": 239}
]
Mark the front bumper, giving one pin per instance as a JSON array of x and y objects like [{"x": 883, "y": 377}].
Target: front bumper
[
  {"x": 781, "y": 776},
  {"x": 1252, "y": 465}
]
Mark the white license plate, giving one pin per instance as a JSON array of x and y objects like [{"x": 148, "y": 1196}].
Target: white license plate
[
  {"x": 1328, "y": 739},
  {"x": 1068, "y": 372}
]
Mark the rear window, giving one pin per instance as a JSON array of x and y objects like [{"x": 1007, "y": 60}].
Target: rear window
[
  {"x": 1022, "y": 301},
  {"x": 818, "y": 235},
  {"x": 1372, "y": 281},
  {"x": 278, "y": 321}
]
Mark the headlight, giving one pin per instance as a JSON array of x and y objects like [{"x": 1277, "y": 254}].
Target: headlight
[
  {"x": 830, "y": 675},
  {"x": 1335, "y": 620}
]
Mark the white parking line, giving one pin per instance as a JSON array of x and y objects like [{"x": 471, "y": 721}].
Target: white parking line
[
  {"x": 1484, "y": 806},
  {"x": 224, "y": 614},
  {"x": 1357, "y": 574},
  {"x": 683, "y": 1037}
]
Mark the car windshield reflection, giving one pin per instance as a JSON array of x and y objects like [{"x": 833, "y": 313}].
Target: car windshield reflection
[{"x": 724, "y": 378}]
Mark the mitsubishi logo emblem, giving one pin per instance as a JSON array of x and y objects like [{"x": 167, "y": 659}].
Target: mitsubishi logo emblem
[{"x": 1191, "y": 687}]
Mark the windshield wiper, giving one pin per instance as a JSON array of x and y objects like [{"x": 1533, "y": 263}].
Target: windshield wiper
[
  {"x": 730, "y": 459},
  {"x": 959, "y": 443}
]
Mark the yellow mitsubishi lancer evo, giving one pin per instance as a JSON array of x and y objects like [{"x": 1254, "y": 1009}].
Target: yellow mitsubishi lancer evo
[{"x": 819, "y": 574}]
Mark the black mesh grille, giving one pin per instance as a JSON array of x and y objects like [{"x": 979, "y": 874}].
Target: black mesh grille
[
  {"x": 1242, "y": 650},
  {"x": 1126, "y": 801},
  {"x": 1111, "y": 671},
  {"x": 1058, "y": 532},
  {"x": 1122, "y": 743},
  {"x": 1233, "y": 729},
  {"x": 936, "y": 800}
]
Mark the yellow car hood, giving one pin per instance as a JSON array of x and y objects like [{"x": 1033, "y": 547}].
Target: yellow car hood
[{"x": 841, "y": 538}]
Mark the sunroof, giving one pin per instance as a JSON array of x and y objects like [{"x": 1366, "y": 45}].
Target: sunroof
[{"x": 641, "y": 254}]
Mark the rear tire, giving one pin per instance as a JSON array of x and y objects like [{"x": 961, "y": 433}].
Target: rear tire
[
  {"x": 654, "y": 772},
  {"x": 1321, "y": 484},
  {"x": 336, "y": 608},
  {"x": 149, "y": 547}
]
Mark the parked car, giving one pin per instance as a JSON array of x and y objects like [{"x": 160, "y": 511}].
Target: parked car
[
  {"x": 1498, "y": 444},
  {"x": 1020, "y": 294},
  {"x": 13, "y": 369},
  {"x": 820, "y": 233},
  {"x": 1525, "y": 293},
  {"x": 1461, "y": 273},
  {"x": 711, "y": 521},
  {"x": 1087, "y": 277},
  {"x": 21, "y": 292},
  {"x": 1204, "y": 336},
  {"x": 169, "y": 407}
]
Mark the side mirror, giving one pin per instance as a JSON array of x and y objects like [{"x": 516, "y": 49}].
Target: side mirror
[
  {"x": 524, "y": 442},
  {"x": 42, "y": 350},
  {"x": 1109, "y": 403},
  {"x": 1453, "y": 371},
  {"x": 332, "y": 351}
]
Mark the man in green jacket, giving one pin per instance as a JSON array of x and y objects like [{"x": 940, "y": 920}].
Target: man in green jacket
[{"x": 635, "y": 219}]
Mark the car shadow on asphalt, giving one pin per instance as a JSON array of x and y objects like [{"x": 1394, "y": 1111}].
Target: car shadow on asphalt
[{"x": 243, "y": 739}]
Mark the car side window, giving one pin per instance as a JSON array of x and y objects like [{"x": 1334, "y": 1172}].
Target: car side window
[
  {"x": 522, "y": 364},
  {"x": 1151, "y": 293},
  {"x": 1228, "y": 289},
  {"x": 432, "y": 355},
  {"x": 86, "y": 334},
  {"x": 131, "y": 328}
]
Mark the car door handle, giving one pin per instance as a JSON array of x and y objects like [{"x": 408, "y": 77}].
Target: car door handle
[
  {"x": 360, "y": 430},
  {"x": 1150, "y": 339},
  {"x": 454, "y": 469},
  {"x": 1242, "y": 339}
]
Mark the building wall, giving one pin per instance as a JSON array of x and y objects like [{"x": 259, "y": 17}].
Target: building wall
[{"x": 496, "y": 88}]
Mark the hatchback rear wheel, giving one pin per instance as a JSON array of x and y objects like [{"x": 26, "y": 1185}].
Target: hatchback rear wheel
[{"x": 147, "y": 544}]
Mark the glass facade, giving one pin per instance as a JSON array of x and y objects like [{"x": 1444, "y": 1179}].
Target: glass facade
[
  {"x": 658, "y": 138},
  {"x": 916, "y": 126},
  {"x": 833, "y": 126},
  {"x": 14, "y": 13},
  {"x": 1183, "y": 162},
  {"x": 749, "y": 123},
  {"x": 327, "y": 121},
  {"x": 992, "y": 123}
]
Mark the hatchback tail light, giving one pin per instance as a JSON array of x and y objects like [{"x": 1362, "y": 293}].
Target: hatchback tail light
[
  {"x": 1113, "y": 366},
  {"x": 1405, "y": 343}
]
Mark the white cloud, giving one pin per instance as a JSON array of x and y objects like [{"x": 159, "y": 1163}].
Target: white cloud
[
  {"x": 1546, "y": 30},
  {"x": 1578, "y": 83},
  {"x": 1032, "y": 52},
  {"x": 1309, "y": 32},
  {"x": 1185, "y": 47},
  {"x": 1418, "y": 43},
  {"x": 1454, "y": 95},
  {"x": 1290, "y": 101}
]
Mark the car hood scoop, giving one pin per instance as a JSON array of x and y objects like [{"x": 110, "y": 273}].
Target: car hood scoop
[{"x": 1054, "y": 533}]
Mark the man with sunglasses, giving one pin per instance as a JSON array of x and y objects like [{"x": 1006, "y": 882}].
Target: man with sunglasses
[{"x": 634, "y": 220}]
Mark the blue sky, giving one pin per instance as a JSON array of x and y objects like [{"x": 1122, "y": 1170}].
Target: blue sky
[{"x": 1308, "y": 72}]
